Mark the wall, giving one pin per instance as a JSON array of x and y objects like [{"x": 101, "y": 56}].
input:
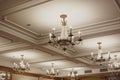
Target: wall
[
  {"x": 44, "y": 78},
  {"x": 22, "y": 77}
]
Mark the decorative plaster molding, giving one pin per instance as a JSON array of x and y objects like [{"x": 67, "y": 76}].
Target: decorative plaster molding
[
  {"x": 86, "y": 29},
  {"x": 16, "y": 32},
  {"x": 20, "y": 28},
  {"x": 12, "y": 4},
  {"x": 95, "y": 28},
  {"x": 117, "y": 3},
  {"x": 14, "y": 47},
  {"x": 26, "y": 5}
]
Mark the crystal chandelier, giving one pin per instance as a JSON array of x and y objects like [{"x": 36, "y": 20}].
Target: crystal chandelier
[
  {"x": 66, "y": 38},
  {"x": 2, "y": 76},
  {"x": 99, "y": 58},
  {"x": 73, "y": 74},
  {"x": 52, "y": 71},
  {"x": 22, "y": 66},
  {"x": 115, "y": 64}
]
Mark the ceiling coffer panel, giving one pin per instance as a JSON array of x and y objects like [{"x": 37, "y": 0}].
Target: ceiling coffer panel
[{"x": 42, "y": 18}]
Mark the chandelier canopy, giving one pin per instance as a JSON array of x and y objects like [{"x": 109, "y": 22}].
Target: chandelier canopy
[
  {"x": 52, "y": 71},
  {"x": 22, "y": 66},
  {"x": 100, "y": 58},
  {"x": 66, "y": 37}
]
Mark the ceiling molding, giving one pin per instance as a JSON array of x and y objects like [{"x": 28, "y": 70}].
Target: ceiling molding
[
  {"x": 11, "y": 47},
  {"x": 23, "y": 38},
  {"x": 35, "y": 38},
  {"x": 86, "y": 30},
  {"x": 117, "y": 3},
  {"x": 20, "y": 28},
  {"x": 8, "y": 29},
  {"x": 26, "y": 5},
  {"x": 81, "y": 64},
  {"x": 39, "y": 47},
  {"x": 12, "y": 4},
  {"x": 93, "y": 28},
  {"x": 55, "y": 52},
  {"x": 46, "y": 61},
  {"x": 93, "y": 34},
  {"x": 96, "y": 27}
]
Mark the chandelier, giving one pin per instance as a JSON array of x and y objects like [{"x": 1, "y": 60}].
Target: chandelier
[
  {"x": 115, "y": 64},
  {"x": 66, "y": 38},
  {"x": 73, "y": 74},
  {"x": 22, "y": 66},
  {"x": 2, "y": 76},
  {"x": 52, "y": 71},
  {"x": 100, "y": 58}
]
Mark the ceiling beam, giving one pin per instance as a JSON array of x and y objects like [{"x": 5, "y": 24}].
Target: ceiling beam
[
  {"x": 32, "y": 45},
  {"x": 100, "y": 34},
  {"x": 55, "y": 52},
  {"x": 15, "y": 34},
  {"x": 23, "y": 39}
]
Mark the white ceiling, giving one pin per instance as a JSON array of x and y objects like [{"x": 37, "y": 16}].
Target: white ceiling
[
  {"x": 80, "y": 12},
  {"x": 98, "y": 20}
]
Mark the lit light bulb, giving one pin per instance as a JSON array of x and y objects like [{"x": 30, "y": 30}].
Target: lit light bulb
[
  {"x": 70, "y": 29},
  {"x": 53, "y": 30},
  {"x": 92, "y": 54},
  {"x": 79, "y": 33},
  {"x": 50, "y": 35},
  {"x": 72, "y": 38}
]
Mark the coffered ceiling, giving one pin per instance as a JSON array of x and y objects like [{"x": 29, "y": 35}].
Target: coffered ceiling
[{"x": 25, "y": 24}]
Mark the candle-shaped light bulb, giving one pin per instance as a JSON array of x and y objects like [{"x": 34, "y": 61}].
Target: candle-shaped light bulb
[
  {"x": 72, "y": 38},
  {"x": 92, "y": 54},
  {"x": 70, "y": 29},
  {"x": 47, "y": 71},
  {"x": 53, "y": 29},
  {"x": 58, "y": 38},
  {"x": 99, "y": 55},
  {"x": 50, "y": 35},
  {"x": 69, "y": 74},
  {"x": 109, "y": 55},
  {"x": 57, "y": 71},
  {"x": 79, "y": 33}
]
